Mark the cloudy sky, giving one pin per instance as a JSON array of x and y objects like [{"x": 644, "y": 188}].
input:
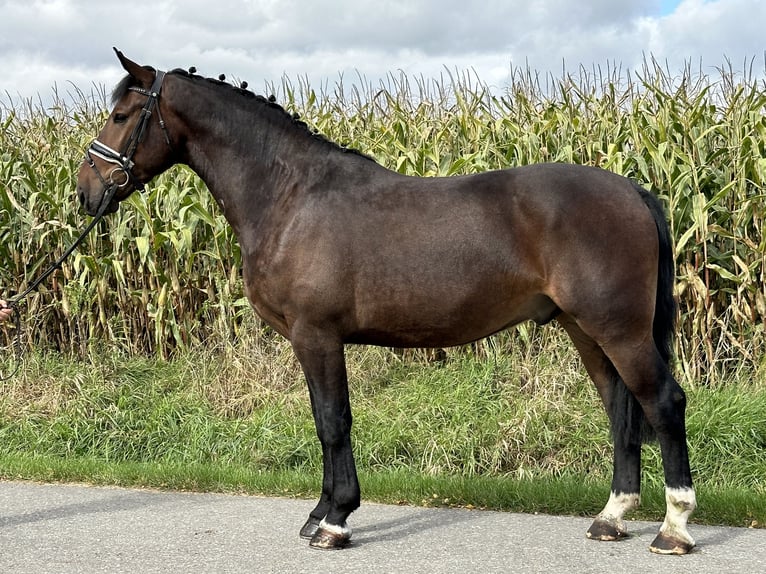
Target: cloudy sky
[{"x": 64, "y": 43}]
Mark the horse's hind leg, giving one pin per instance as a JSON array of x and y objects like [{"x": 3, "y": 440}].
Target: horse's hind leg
[
  {"x": 626, "y": 477},
  {"x": 663, "y": 402}
]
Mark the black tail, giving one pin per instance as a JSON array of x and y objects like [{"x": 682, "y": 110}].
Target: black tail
[
  {"x": 628, "y": 421},
  {"x": 665, "y": 307}
]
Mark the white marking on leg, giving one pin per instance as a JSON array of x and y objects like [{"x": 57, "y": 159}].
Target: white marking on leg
[
  {"x": 681, "y": 502},
  {"x": 617, "y": 506},
  {"x": 343, "y": 530}
]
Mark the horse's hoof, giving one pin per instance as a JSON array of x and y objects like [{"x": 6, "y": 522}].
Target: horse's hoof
[
  {"x": 606, "y": 531},
  {"x": 330, "y": 537},
  {"x": 664, "y": 544},
  {"x": 310, "y": 528}
]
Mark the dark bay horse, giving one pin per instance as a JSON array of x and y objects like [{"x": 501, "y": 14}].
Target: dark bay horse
[{"x": 337, "y": 249}]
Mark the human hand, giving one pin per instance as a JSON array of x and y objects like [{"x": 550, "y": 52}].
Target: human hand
[{"x": 5, "y": 311}]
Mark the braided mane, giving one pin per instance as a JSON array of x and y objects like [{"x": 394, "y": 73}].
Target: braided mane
[{"x": 122, "y": 88}]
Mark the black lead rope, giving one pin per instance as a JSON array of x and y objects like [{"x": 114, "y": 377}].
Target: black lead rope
[
  {"x": 124, "y": 163},
  {"x": 13, "y": 304}
]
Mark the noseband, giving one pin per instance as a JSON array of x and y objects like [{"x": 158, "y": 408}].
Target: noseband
[{"x": 122, "y": 173}]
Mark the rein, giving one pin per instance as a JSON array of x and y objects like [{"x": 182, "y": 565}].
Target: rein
[
  {"x": 14, "y": 303},
  {"x": 123, "y": 164}
]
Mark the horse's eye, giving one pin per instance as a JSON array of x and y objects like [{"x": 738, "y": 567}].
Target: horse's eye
[{"x": 120, "y": 118}]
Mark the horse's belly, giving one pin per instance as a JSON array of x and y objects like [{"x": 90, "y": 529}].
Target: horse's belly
[{"x": 437, "y": 323}]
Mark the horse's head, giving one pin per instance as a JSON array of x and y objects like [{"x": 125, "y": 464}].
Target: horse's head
[{"x": 133, "y": 146}]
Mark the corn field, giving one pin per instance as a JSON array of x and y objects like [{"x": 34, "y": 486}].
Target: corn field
[{"x": 162, "y": 274}]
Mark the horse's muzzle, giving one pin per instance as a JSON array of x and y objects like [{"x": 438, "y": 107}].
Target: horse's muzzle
[{"x": 92, "y": 207}]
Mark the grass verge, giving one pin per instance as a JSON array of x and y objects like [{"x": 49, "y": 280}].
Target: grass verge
[
  {"x": 521, "y": 430},
  {"x": 563, "y": 495}
]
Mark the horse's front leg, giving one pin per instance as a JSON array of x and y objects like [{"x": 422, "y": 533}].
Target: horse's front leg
[{"x": 321, "y": 357}]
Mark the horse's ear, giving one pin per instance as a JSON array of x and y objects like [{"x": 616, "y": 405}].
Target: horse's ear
[{"x": 140, "y": 73}]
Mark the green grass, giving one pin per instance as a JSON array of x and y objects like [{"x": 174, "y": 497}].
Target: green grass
[
  {"x": 558, "y": 495},
  {"x": 512, "y": 431}
]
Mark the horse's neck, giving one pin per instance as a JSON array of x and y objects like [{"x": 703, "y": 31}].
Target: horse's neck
[
  {"x": 250, "y": 157},
  {"x": 245, "y": 175}
]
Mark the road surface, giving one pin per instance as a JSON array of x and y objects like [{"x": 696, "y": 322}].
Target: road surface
[{"x": 83, "y": 529}]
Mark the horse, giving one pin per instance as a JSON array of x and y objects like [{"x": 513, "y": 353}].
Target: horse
[{"x": 337, "y": 250}]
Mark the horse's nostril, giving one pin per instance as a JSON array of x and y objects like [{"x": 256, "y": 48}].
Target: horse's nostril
[{"x": 81, "y": 196}]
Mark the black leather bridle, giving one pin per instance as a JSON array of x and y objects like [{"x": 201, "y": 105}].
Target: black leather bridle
[{"x": 122, "y": 173}]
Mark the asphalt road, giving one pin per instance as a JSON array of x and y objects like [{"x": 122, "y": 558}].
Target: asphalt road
[{"x": 73, "y": 528}]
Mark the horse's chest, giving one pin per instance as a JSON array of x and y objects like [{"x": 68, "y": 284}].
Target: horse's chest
[{"x": 267, "y": 301}]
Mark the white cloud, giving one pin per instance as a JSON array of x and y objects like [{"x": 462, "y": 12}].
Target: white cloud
[
  {"x": 712, "y": 30},
  {"x": 53, "y": 42}
]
